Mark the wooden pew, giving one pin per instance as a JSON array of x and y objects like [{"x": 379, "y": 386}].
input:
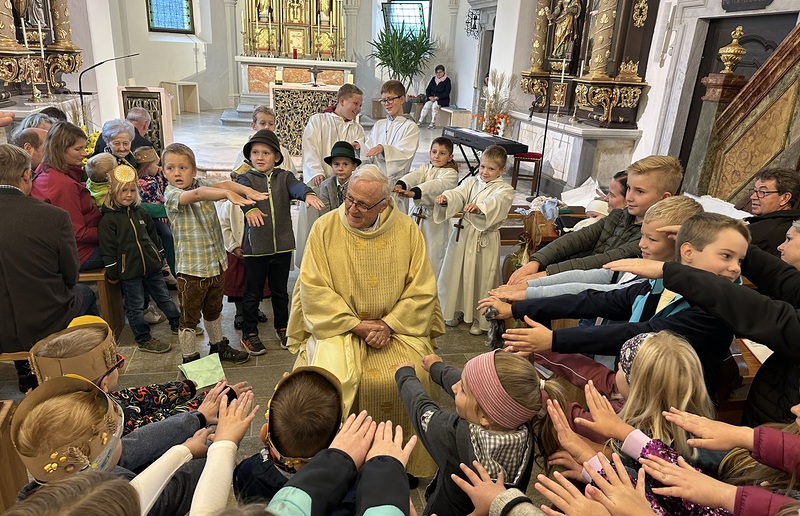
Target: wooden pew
[{"x": 109, "y": 299}]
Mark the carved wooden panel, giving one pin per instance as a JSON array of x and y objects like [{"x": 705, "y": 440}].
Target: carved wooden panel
[{"x": 293, "y": 108}]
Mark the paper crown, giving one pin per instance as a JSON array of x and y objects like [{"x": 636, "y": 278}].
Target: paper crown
[
  {"x": 124, "y": 174},
  {"x": 145, "y": 155},
  {"x": 69, "y": 457},
  {"x": 92, "y": 364}
]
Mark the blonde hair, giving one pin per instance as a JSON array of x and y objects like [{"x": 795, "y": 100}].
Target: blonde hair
[
  {"x": 115, "y": 188},
  {"x": 264, "y": 110},
  {"x": 673, "y": 211},
  {"x": 76, "y": 343},
  {"x": 665, "y": 172},
  {"x": 522, "y": 382},
  {"x": 61, "y": 421},
  {"x": 394, "y": 87},
  {"x": 180, "y": 150},
  {"x": 92, "y": 493},
  {"x": 704, "y": 228},
  {"x": 666, "y": 372},
  {"x": 496, "y": 154},
  {"x": 99, "y": 165}
]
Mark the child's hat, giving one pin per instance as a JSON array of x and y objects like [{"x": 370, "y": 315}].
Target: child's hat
[
  {"x": 145, "y": 155},
  {"x": 628, "y": 353},
  {"x": 92, "y": 450},
  {"x": 123, "y": 174},
  {"x": 342, "y": 150},
  {"x": 266, "y": 137},
  {"x": 92, "y": 364},
  {"x": 481, "y": 376},
  {"x": 598, "y": 206}
]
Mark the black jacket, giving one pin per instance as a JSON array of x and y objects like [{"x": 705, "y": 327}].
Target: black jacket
[
  {"x": 773, "y": 322},
  {"x": 441, "y": 90},
  {"x": 710, "y": 337},
  {"x": 129, "y": 243},
  {"x": 769, "y": 231},
  {"x": 276, "y": 235}
]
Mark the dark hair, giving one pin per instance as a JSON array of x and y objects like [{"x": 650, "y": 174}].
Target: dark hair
[
  {"x": 622, "y": 178},
  {"x": 786, "y": 180},
  {"x": 54, "y": 113},
  {"x": 60, "y": 137},
  {"x": 304, "y": 414},
  {"x": 439, "y": 67},
  {"x": 447, "y": 143},
  {"x": 29, "y": 136}
]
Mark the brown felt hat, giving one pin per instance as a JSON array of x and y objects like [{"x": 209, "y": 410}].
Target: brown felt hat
[{"x": 266, "y": 137}]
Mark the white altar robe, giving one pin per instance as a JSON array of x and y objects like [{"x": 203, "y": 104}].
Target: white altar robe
[{"x": 400, "y": 139}]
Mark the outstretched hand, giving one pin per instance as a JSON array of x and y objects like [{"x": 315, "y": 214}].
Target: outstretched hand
[
  {"x": 616, "y": 492},
  {"x": 385, "y": 444},
  {"x": 651, "y": 269},
  {"x": 355, "y": 437},
  {"x": 711, "y": 435},
  {"x": 235, "y": 419},
  {"x": 312, "y": 201},
  {"x": 567, "y": 438},
  {"x": 210, "y": 405},
  {"x": 683, "y": 481},
  {"x": 564, "y": 495},
  {"x": 532, "y": 339},
  {"x": 503, "y": 308},
  {"x": 480, "y": 488},
  {"x": 604, "y": 421}
]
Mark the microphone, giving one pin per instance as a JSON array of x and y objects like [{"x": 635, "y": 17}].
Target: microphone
[{"x": 80, "y": 81}]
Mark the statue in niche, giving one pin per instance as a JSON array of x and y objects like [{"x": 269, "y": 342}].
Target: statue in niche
[
  {"x": 565, "y": 18},
  {"x": 324, "y": 11},
  {"x": 295, "y": 11},
  {"x": 266, "y": 12},
  {"x": 32, "y": 12}
]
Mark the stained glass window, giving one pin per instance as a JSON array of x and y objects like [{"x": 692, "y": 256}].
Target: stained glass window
[
  {"x": 414, "y": 15},
  {"x": 170, "y": 16}
]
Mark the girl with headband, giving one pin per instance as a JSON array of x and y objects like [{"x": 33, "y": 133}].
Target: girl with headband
[{"x": 500, "y": 422}]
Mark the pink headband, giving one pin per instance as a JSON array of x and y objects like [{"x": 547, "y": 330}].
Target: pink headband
[{"x": 483, "y": 382}]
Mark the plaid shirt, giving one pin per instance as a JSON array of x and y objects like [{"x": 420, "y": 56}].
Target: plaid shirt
[
  {"x": 502, "y": 451},
  {"x": 199, "y": 248}
]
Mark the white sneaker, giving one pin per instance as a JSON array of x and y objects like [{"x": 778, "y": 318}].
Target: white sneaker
[
  {"x": 475, "y": 329},
  {"x": 458, "y": 317},
  {"x": 153, "y": 316},
  {"x": 431, "y": 126}
]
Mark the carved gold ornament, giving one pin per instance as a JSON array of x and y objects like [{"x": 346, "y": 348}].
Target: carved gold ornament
[
  {"x": 532, "y": 86},
  {"x": 639, "y": 13},
  {"x": 732, "y": 53},
  {"x": 629, "y": 97}
]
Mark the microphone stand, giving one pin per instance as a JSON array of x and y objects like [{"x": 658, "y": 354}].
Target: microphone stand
[{"x": 80, "y": 82}]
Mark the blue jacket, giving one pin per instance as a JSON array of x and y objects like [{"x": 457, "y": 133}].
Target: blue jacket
[{"x": 710, "y": 337}]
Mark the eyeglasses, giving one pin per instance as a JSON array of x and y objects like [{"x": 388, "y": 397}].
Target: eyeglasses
[
  {"x": 360, "y": 206},
  {"x": 119, "y": 365},
  {"x": 390, "y": 100},
  {"x": 761, "y": 193}
]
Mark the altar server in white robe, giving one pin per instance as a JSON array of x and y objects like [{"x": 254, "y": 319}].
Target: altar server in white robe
[
  {"x": 321, "y": 133},
  {"x": 394, "y": 140},
  {"x": 423, "y": 186},
  {"x": 471, "y": 263}
]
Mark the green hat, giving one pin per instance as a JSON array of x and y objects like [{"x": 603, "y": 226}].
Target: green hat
[
  {"x": 343, "y": 150},
  {"x": 266, "y": 137}
]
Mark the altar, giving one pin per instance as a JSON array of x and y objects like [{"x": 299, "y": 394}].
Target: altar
[{"x": 256, "y": 73}]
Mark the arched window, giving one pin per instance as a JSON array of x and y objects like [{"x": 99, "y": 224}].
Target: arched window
[
  {"x": 170, "y": 16},
  {"x": 414, "y": 15}
]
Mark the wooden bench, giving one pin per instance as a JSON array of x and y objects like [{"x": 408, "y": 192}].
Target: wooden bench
[
  {"x": 109, "y": 299},
  {"x": 448, "y": 116},
  {"x": 12, "y": 475}
]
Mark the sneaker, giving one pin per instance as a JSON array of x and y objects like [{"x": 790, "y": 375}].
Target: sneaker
[
  {"x": 475, "y": 329},
  {"x": 431, "y": 126},
  {"x": 191, "y": 358},
  {"x": 227, "y": 353},
  {"x": 262, "y": 317},
  {"x": 252, "y": 344},
  {"x": 153, "y": 316},
  {"x": 198, "y": 331},
  {"x": 281, "y": 333},
  {"x": 155, "y": 346},
  {"x": 169, "y": 279},
  {"x": 419, "y": 124},
  {"x": 238, "y": 321},
  {"x": 458, "y": 317}
]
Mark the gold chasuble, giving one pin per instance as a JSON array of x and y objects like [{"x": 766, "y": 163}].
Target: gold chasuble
[{"x": 349, "y": 275}]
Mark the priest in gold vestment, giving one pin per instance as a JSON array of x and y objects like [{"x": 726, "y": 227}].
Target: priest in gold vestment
[{"x": 366, "y": 301}]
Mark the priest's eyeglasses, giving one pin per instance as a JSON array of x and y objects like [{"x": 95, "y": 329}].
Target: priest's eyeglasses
[
  {"x": 389, "y": 100},
  {"x": 360, "y": 206},
  {"x": 761, "y": 193}
]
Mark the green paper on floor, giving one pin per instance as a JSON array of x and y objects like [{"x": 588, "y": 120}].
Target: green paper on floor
[{"x": 205, "y": 371}]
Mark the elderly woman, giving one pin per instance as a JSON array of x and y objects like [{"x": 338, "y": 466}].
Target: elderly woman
[
  {"x": 118, "y": 135},
  {"x": 58, "y": 181}
]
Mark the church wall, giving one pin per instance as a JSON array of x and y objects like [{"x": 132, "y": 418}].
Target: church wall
[
  {"x": 463, "y": 71},
  {"x": 662, "y": 117}
]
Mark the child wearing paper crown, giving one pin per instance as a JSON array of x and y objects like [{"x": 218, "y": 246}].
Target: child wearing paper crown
[
  {"x": 132, "y": 254},
  {"x": 499, "y": 422}
]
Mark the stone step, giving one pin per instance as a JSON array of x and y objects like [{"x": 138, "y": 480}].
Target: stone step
[{"x": 233, "y": 117}]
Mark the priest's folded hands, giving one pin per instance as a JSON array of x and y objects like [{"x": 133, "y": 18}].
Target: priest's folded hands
[{"x": 375, "y": 332}]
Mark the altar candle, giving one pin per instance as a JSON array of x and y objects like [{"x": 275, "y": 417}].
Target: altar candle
[
  {"x": 269, "y": 34},
  {"x": 242, "y": 21},
  {"x": 24, "y": 34},
  {"x": 581, "y": 72},
  {"x": 41, "y": 41},
  {"x": 563, "y": 69}
]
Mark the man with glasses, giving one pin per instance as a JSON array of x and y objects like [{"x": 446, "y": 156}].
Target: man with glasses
[
  {"x": 366, "y": 301},
  {"x": 322, "y": 131},
  {"x": 394, "y": 140},
  {"x": 773, "y": 203}
]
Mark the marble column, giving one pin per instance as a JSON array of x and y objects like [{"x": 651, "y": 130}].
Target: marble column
[
  {"x": 8, "y": 37},
  {"x": 539, "y": 38},
  {"x": 351, "y": 27},
  {"x": 453, "y": 5},
  {"x": 231, "y": 42},
  {"x": 603, "y": 34},
  {"x": 720, "y": 91},
  {"x": 62, "y": 32}
]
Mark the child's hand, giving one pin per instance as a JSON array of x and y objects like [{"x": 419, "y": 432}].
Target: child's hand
[
  {"x": 317, "y": 180},
  {"x": 683, "y": 481},
  {"x": 210, "y": 406},
  {"x": 711, "y": 435},
  {"x": 356, "y": 145},
  {"x": 535, "y": 338},
  {"x": 238, "y": 200},
  {"x": 567, "y": 438},
  {"x": 510, "y": 292},
  {"x": 440, "y": 199},
  {"x": 482, "y": 490},
  {"x": 384, "y": 444},
  {"x": 407, "y": 193},
  {"x": 503, "y": 309},
  {"x": 563, "y": 459},
  {"x": 312, "y": 201},
  {"x": 355, "y": 437},
  {"x": 197, "y": 443},
  {"x": 564, "y": 495},
  {"x": 471, "y": 207},
  {"x": 520, "y": 275},
  {"x": 378, "y": 149},
  {"x": 605, "y": 422},
  {"x": 241, "y": 387},
  {"x": 650, "y": 269},
  {"x": 255, "y": 218},
  {"x": 238, "y": 252},
  {"x": 429, "y": 360},
  {"x": 234, "y": 420},
  {"x": 404, "y": 364},
  {"x": 397, "y": 189},
  {"x": 671, "y": 231},
  {"x": 255, "y": 195},
  {"x": 616, "y": 492}
]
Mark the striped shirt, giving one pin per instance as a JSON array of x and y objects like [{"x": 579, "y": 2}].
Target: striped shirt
[{"x": 199, "y": 248}]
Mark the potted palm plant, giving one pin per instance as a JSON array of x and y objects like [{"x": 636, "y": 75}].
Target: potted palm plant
[{"x": 402, "y": 53}]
